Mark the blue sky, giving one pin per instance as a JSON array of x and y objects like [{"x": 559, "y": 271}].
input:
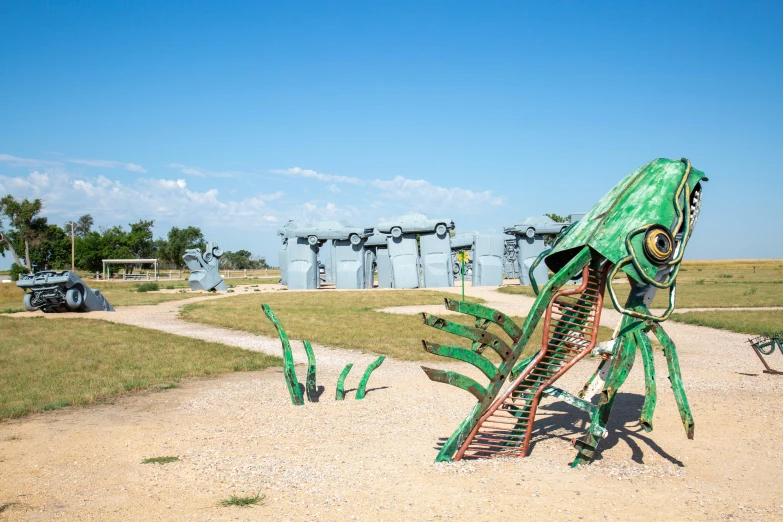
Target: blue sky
[{"x": 236, "y": 117}]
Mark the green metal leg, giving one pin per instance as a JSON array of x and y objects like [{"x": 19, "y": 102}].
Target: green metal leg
[
  {"x": 670, "y": 351},
  {"x": 362, "y": 389},
  {"x": 340, "y": 394},
  {"x": 621, "y": 366},
  {"x": 310, "y": 384},
  {"x": 288, "y": 359},
  {"x": 650, "y": 391}
]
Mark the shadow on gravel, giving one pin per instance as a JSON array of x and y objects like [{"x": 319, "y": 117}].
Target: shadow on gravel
[{"x": 560, "y": 420}]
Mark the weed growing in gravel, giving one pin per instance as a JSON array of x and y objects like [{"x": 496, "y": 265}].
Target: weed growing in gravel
[
  {"x": 244, "y": 501},
  {"x": 160, "y": 460}
]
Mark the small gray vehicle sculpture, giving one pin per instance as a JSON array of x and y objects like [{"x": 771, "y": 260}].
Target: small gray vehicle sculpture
[
  {"x": 538, "y": 225},
  {"x": 324, "y": 230},
  {"x": 52, "y": 291},
  {"x": 204, "y": 269},
  {"x": 413, "y": 223}
]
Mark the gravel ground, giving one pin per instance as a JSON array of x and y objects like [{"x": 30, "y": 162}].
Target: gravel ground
[{"x": 373, "y": 459}]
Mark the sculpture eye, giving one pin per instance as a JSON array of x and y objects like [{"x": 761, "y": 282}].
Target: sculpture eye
[{"x": 658, "y": 244}]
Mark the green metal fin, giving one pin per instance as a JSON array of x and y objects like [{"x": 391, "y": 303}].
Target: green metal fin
[
  {"x": 340, "y": 394},
  {"x": 362, "y": 389},
  {"x": 458, "y": 380},
  {"x": 477, "y": 335},
  {"x": 310, "y": 385},
  {"x": 288, "y": 358},
  {"x": 463, "y": 354},
  {"x": 490, "y": 314}
]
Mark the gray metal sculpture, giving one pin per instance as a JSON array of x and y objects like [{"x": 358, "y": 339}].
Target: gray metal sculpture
[
  {"x": 531, "y": 235},
  {"x": 52, "y": 291},
  {"x": 204, "y": 268},
  {"x": 377, "y": 245},
  {"x": 533, "y": 226},
  {"x": 487, "y": 260},
  {"x": 459, "y": 243},
  {"x": 510, "y": 262},
  {"x": 415, "y": 223},
  {"x": 404, "y": 261},
  {"x": 282, "y": 256},
  {"x": 436, "y": 260},
  {"x": 349, "y": 269},
  {"x": 302, "y": 265},
  {"x": 318, "y": 232}
]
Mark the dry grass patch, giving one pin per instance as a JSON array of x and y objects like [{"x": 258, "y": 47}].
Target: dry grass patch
[
  {"x": 763, "y": 322},
  {"x": 47, "y": 364},
  {"x": 711, "y": 284},
  {"x": 343, "y": 319}
]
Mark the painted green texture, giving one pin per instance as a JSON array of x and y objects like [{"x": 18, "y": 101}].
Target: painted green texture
[
  {"x": 458, "y": 380},
  {"x": 644, "y": 197},
  {"x": 463, "y": 354},
  {"x": 288, "y": 358},
  {"x": 479, "y": 337},
  {"x": 340, "y": 394},
  {"x": 362, "y": 389},
  {"x": 310, "y": 384}
]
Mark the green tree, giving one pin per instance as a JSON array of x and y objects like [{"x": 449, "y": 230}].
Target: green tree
[
  {"x": 549, "y": 239},
  {"x": 30, "y": 228},
  {"x": 81, "y": 227},
  {"x": 53, "y": 252},
  {"x": 179, "y": 240}
]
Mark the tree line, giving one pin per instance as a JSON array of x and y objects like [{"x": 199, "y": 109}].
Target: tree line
[{"x": 35, "y": 244}]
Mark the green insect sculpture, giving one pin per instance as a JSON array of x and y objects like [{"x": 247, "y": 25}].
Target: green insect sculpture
[{"x": 641, "y": 227}]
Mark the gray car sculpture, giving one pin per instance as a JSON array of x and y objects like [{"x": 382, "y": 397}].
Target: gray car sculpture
[
  {"x": 413, "y": 223},
  {"x": 204, "y": 269},
  {"x": 52, "y": 291},
  {"x": 325, "y": 230},
  {"x": 538, "y": 225}
]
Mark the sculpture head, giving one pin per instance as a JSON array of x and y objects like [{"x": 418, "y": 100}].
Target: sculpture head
[{"x": 642, "y": 225}]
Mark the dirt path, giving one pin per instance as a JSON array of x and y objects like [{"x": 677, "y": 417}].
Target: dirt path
[{"x": 373, "y": 459}]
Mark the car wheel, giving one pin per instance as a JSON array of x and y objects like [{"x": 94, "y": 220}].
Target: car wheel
[
  {"x": 73, "y": 298},
  {"x": 441, "y": 229},
  {"x": 355, "y": 239},
  {"x": 530, "y": 232},
  {"x": 396, "y": 232},
  {"x": 217, "y": 252},
  {"x": 28, "y": 303},
  {"x": 312, "y": 240}
]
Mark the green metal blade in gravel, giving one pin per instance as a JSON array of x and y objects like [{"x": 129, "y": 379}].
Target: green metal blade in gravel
[
  {"x": 310, "y": 386},
  {"x": 362, "y": 390},
  {"x": 288, "y": 358},
  {"x": 340, "y": 394}
]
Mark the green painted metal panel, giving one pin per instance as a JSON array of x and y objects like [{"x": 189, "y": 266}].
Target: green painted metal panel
[
  {"x": 362, "y": 389},
  {"x": 340, "y": 394},
  {"x": 490, "y": 314},
  {"x": 479, "y": 337},
  {"x": 288, "y": 358},
  {"x": 646, "y": 196},
  {"x": 463, "y": 354},
  {"x": 458, "y": 380},
  {"x": 310, "y": 385}
]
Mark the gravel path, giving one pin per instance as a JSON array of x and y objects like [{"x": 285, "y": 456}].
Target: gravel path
[{"x": 373, "y": 459}]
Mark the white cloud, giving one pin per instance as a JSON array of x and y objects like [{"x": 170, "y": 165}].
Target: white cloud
[
  {"x": 311, "y": 211},
  {"x": 333, "y": 188},
  {"x": 204, "y": 173},
  {"x": 312, "y": 174},
  {"x": 423, "y": 195},
  {"x": 168, "y": 201},
  {"x": 15, "y": 161}
]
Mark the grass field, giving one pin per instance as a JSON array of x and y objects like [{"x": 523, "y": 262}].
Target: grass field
[
  {"x": 124, "y": 293},
  {"x": 714, "y": 284},
  {"x": 85, "y": 361},
  {"x": 740, "y": 321},
  {"x": 342, "y": 319}
]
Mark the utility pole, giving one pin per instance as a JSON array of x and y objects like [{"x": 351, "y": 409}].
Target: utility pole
[{"x": 73, "y": 255}]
